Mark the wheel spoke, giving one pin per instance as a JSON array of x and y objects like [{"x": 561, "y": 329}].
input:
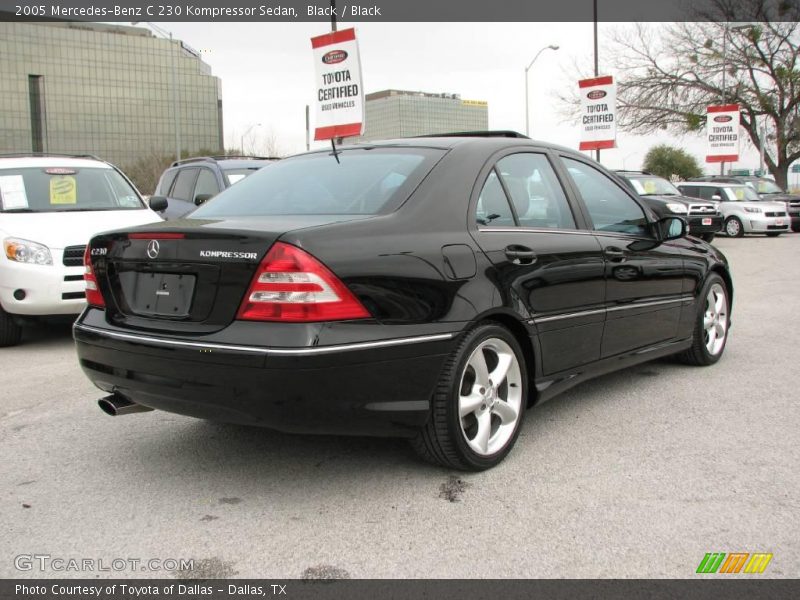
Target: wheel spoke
[
  {"x": 469, "y": 404},
  {"x": 478, "y": 363},
  {"x": 481, "y": 440},
  {"x": 708, "y": 319},
  {"x": 506, "y": 412},
  {"x": 501, "y": 370},
  {"x": 719, "y": 303},
  {"x": 712, "y": 338},
  {"x": 719, "y": 329}
]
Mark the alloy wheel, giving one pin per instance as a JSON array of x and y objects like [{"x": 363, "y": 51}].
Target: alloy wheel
[
  {"x": 733, "y": 227},
  {"x": 490, "y": 397},
  {"x": 715, "y": 319}
]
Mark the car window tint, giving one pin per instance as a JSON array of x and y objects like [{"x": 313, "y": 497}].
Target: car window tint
[
  {"x": 535, "y": 191},
  {"x": 166, "y": 183},
  {"x": 184, "y": 185},
  {"x": 610, "y": 208},
  {"x": 206, "y": 183},
  {"x": 493, "y": 207}
]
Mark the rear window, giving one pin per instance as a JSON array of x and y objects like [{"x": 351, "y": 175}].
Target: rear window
[
  {"x": 65, "y": 189},
  {"x": 364, "y": 181}
]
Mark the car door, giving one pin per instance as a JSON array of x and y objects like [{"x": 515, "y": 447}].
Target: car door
[
  {"x": 549, "y": 268},
  {"x": 644, "y": 279}
]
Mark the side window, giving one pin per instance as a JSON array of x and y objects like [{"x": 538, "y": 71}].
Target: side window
[
  {"x": 184, "y": 185},
  {"x": 493, "y": 208},
  {"x": 705, "y": 193},
  {"x": 166, "y": 183},
  {"x": 535, "y": 191},
  {"x": 610, "y": 208},
  {"x": 206, "y": 184},
  {"x": 689, "y": 190}
]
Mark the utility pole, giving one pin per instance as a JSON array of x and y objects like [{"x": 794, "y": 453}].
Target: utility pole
[{"x": 596, "y": 63}]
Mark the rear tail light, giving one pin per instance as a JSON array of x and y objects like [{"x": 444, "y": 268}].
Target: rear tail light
[
  {"x": 93, "y": 295},
  {"x": 291, "y": 285}
]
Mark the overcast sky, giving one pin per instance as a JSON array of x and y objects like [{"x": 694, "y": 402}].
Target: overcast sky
[{"x": 268, "y": 78}]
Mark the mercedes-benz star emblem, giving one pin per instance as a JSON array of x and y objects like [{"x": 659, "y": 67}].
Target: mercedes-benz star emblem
[{"x": 153, "y": 248}]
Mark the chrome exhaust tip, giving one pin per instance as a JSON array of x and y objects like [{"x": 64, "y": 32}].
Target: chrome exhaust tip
[{"x": 116, "y": 406}]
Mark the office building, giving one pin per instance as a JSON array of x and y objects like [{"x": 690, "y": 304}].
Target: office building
[
  {"x": 398, "y": 113},
  {"x": 118, "y": 92}
]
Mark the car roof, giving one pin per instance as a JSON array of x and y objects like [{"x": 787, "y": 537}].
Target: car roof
[
  {"x": 241, "y": 162},
  {"x": 713, "y": 184},
  {"x": 21, "y": 162}
]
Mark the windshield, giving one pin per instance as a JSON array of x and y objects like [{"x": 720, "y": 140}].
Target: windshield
[
  {"x": 654, "y": 186},
  {"x": 236, "y": 175},
  {"x": 743, "y": 193},
  {"x": 65, "y": 189},
  {"x": 765, "y": 186},
  {"x": 362, "y": 182}
]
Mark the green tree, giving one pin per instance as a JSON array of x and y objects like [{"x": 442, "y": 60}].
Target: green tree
[{"x": 667, "y": 161}]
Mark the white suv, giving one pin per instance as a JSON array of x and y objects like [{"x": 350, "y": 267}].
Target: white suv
[{"x": 50, "y": 206}]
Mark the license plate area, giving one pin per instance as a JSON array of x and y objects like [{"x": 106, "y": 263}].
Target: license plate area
[
  {"x": 778, "y": 222},
  {"x": 707, "y": 221},
  {"x": 158, "y": 294}
]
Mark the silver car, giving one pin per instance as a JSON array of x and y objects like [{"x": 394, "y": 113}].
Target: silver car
[{"x": 742, "y": 209}]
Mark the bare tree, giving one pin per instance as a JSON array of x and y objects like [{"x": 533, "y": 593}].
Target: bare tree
[{"x": 744, "y": 52}]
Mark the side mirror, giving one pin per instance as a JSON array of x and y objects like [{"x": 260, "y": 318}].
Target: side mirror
[
  {"x": 716, "y": 198},
  {"x": 202, "y": 198},
  {"x": 158, "y": 203},
  {"x": 670, "y": 228}
]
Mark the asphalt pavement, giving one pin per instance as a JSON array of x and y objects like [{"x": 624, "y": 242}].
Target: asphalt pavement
[{"x": 636, "y": 474}]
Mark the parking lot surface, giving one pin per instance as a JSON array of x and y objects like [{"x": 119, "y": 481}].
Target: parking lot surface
[{"x": 636, "y": 474}]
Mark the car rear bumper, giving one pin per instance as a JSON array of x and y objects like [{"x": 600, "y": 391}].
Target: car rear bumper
[
  {"x": 380, "y": 387},
  {"x": 704, "y": 224}
]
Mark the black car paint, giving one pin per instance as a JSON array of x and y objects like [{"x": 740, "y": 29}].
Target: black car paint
[{"x": 590, "y": 303}]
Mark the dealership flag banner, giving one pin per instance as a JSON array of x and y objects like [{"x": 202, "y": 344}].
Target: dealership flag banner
[
  {"x": 339, "y": 93},
  {"x": 598, "y": 113},
  {"x": 722, "y": 133}
]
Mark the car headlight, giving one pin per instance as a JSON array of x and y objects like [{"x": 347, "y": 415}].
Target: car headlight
[
  {"x": 677, "y": 208},
  {"x": 25, "y": 251},
  {"x": 752, "y": 210}
]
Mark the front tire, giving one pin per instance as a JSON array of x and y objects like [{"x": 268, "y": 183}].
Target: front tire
[
  {"x": 734, "y": 227},
  {"x": 479, "y": 403},
  {"x": 711, "y": 325},
  {"x": 10, "y": 331}
]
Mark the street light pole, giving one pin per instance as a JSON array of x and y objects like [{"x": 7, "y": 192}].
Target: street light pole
[
  {"x": 176, "y": 115},
  {"x": 245, "y": 134},
  {"x": 527, "y": 104}
]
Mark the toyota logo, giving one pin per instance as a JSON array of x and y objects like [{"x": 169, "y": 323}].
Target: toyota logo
[{"x": 153, "y": 248}]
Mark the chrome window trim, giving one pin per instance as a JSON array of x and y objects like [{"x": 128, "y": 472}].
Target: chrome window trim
[{"x": 265, "y": 350}]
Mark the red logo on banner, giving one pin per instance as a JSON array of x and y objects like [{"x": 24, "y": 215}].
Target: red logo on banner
[
  {"x": 723, "y": 118},
  {"x": 596, "y": 95},
  {"x": 334, "y": 56}
]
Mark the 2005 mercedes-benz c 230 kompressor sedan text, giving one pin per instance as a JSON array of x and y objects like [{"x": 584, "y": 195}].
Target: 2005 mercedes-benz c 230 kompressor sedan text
[{"x": 431, "y": 288}]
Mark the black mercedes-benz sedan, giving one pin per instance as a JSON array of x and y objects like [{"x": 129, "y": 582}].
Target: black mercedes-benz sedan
[{"x": 430, "y": 288}]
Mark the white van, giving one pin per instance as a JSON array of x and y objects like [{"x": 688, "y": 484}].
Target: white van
[{"x": 50, "y": 206}]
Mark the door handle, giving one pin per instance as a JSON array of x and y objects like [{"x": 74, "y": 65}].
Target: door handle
[
  {"x": 520, "y": 255},
  {"x": 614, "y": 254}
]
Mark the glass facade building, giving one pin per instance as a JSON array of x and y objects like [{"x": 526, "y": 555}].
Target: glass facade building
[
  {"x": 107, "y": 90},
  {"x": 397, "y": 113}
]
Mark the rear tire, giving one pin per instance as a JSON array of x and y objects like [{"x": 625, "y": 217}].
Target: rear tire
[
  {"x": 10, "y": 331},
  {"x": 479, "y": 403},
  {"x": 711, "y": 324},
  {"x": 734, "y": 227},
  {"x": 708, "y": 237}
]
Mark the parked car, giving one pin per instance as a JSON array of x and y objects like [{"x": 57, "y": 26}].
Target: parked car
[
  {"x": 430, "y": 288},
  {"x": 665, "y": 199},
  {"x": 767, "y": 189},
  {"x": 187, "y": 183},
  {"x": 49, "y": 208},
  {"x": 742, "y": 208}
]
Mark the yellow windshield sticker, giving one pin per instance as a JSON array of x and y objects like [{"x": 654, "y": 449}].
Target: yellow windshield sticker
[
  {"x": 63, "y": 190},
  {"x": 739, "y": 193},
  {"x": 649, "y": 186}
]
